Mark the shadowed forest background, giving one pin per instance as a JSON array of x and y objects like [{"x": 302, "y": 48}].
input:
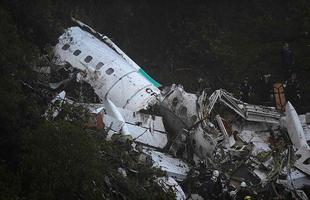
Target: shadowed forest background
[
  {"x": 181, "y": 41},
  {"x": 174, "y": 41}
]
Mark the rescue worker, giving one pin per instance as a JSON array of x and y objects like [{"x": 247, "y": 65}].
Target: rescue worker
[
  {"x": 287, "y": 60},
  {"x": 264, "y": 89},
  {"x": 212, "y": 187},
  {"x": 292, "y": 90},
  {"x": 244, "y": 193},
  {"x": 245, "y": 90}
]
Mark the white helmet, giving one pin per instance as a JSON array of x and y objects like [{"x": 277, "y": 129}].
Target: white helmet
[
  {"x": 243, "y": 184},
  {"x": 216, "y": 173}
]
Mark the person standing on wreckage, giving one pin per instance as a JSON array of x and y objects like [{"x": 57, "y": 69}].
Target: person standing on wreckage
[
  {"x": 245, "y": 90},
  {"x": 244, "y": 193},
  {"x": 212, "y": 187}
]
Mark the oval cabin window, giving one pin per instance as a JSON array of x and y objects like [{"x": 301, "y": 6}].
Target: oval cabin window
[
  {"x": 109, "y": 71},
  {"x": 88, "y": 59},
  {"x": 99, "y": 65},
  {"x": 65, "y": 47},
  {"x": 77, "y": 52}
]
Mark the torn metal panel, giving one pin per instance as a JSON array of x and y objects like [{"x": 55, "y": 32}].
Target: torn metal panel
[
  {"x": 107, "y": 69},
  {"x": 303, "y": 163},
  {"x": 169, "y": 183},
  {"x": 247, "y": 111},
  {"x": 261, "y": 114},
  {"x": 112, "y": 125},
  {"x": 140, "y": 134},
  {"x": 305, "y": 122},
  {"x": 174, "y": 167},
  {"x": 142, "y": 128},
  {"x": 55, "y": 109},
  {"x": 180, "y": 104},
  {"x": 259, "y": 146},
  {"x": 294, "y": 127},
  {"x": 258, "y": 127},
  {"x": 246, "y": 136},
  {"x": 229, "y": 140},
  {"x": 114, "y": 112},
  {"x": 203, "y": 143},
  {"x": 152, "y": 122},
  {"x": 148, "y": 137},
  {"x": 260, "y": 142},
  {"x": 295, "y": 180},
  {"x": 181, "y": 111},
  {"x": 222, "y": 127}
]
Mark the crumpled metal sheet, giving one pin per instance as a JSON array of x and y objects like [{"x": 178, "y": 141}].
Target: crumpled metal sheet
[
  {"x": 174, "y": 167},
  {"x": 142, "y": 128},
  {"x": 170, "y": 183},
  {"x": 303, "y": 163},
  {"x": 294, "y": 127}
]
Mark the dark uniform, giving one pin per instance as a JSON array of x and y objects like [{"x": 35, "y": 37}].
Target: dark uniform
[
  {"x": 211, "y": 189},
  {"x": 264, "y": 89},
  {"x": 245, "y": 91},
  {"x": 292, "y": 90},
  {"x": 287, "y": 60}
]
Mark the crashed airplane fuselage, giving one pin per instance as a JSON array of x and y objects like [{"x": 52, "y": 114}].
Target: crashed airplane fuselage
[
  {"x": 107, "y": 69},
  {"x": 185, "y": 122}
]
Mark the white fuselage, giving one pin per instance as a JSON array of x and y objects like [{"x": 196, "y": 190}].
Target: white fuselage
[{"x": 106, "y": 68}]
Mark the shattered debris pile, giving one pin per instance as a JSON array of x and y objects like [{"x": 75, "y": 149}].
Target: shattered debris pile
[{"x": 186, "y": 135}]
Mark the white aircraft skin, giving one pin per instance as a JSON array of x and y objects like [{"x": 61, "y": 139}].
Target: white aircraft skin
[
  {"x": 125, "y": 89},
  {"x": 111, "y": 73},
  {"x": 294, "y": 127}
]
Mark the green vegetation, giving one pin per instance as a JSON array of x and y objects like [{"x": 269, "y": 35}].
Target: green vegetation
[
  {"x": 61, "y": 160},
  {"x": 56, "y": 159}
]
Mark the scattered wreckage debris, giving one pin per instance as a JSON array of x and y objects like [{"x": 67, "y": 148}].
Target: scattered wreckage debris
[
  {"x": 181, "y": 133},
  {"x": 167, "y": 183}
]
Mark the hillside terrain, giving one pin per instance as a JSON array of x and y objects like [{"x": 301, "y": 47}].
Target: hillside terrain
[{"x": 174, "y": 41}]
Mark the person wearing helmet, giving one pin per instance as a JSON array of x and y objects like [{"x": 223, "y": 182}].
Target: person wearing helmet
[
  {"x": 243, "y": 184},
  {"x": 212, "y": 186},
  {"x": 244, "y": 193},
  {"x": 215, "y": 175}
]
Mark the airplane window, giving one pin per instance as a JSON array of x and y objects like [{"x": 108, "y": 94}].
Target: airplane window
[
  {"x": 109, "y": 71},
  {"x": 99, "y": 65},
  {"x": 65, "y": 47},
  {"x": 76, "y": 52},
  {"x": 88, "y": 59}
]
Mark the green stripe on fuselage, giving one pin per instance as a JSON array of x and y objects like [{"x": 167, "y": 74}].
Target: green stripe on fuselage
[{"x": 155, "y": 83}]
